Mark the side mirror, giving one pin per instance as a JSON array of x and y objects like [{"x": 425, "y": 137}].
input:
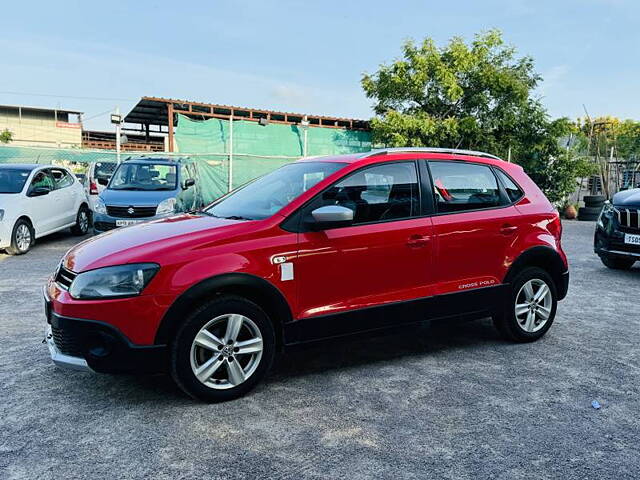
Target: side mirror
[
  {"x": 103, "y": 181},
  {"x": 189, "y": 182},
  {"x": 331, "y": 216},
  {"x": 39, "y": 191}
]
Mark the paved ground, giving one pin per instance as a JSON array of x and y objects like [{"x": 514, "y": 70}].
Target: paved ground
[{"x": 441, "y": 402}]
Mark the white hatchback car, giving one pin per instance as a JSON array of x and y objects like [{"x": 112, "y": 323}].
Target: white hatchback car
[{"x": 36, "y": 200}]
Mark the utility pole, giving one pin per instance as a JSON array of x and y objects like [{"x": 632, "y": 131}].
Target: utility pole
[{"x": 116, "y": 119}]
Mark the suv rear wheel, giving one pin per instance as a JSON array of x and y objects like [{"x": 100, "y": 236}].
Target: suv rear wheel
[
  {"x": 531, "y": 308},
  {"x": 223, "y": 349}
]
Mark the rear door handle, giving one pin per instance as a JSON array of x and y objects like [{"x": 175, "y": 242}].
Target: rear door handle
[
  {"x": 507, "y": 229},
  {"x": 418, "y": 240}
]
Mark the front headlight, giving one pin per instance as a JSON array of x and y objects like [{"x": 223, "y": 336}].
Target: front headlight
[
  {"x": 605, "y": 214},
  {"x": 113, "y": 282},
  {"x": 166, "y": 206},
  {"x": 100, "y": 207}
]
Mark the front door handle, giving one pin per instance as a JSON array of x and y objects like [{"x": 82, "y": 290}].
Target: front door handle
[
  {"x": 508, "y": 229},
  {"x": 418, "y": 240}
]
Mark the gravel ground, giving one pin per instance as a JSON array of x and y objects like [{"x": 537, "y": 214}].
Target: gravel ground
[{"x": 450, "y": 401}]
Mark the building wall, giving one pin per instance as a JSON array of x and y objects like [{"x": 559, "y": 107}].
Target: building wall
[{"x": 40, "y": 128}]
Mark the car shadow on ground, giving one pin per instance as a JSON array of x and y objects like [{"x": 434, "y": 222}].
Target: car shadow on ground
[{"x": 347, "y": 353}]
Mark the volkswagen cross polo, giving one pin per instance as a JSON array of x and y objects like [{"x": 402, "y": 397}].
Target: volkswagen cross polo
[{"x": 318, "y": 248}]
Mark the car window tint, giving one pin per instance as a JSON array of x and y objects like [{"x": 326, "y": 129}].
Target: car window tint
[
  {"x": 513, "y": 191},
  {"x": 41, "y": 180},
  {"x": 61, "y": 178},
  {"x": 380, "y": 193},
  {"x": 458, "y": 186}
]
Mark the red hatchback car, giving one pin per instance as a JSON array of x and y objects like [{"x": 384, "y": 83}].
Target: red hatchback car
[{"x": 318, "y": 248}]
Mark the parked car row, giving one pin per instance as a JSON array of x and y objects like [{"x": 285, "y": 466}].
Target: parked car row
[{"x": 37, "y": 200}]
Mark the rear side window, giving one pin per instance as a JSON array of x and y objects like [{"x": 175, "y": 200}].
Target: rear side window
[
  {"x": 61, "y": 178},
  {"x": 513, "y": 191},
  {"x": 376, "y": 194},
  {"x": 458, "y": 187}
]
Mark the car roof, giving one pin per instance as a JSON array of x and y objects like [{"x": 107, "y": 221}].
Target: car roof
[{"x": 22, "y": 166}]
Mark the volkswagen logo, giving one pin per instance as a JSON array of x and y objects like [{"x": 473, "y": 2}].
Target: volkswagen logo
[{"x": 130, "y": 211}]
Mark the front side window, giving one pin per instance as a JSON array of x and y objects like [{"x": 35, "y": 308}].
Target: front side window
[
  {"x": 12, "y": 180},
  {"x": 265, "y": 196},
  {"x": 458, "y": 186},
  {"x": 144, "y": 176},
  {"x": 41, "y": 180},
  {"x": 375, "y": 194},
  {"x": 61, "y": 178}
]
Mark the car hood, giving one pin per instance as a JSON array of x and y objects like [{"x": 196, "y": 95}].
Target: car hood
[
  {"x": 135, "y": 197},
  {"x": 146, "y": 242},
  {"x": 627, "y": 198}
]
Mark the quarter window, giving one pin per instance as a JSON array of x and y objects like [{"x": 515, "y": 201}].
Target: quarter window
[
  {"x": 458, "y": 187},
  {"x": 384, "y": 192},
  {"x": 513, "y": 191}
]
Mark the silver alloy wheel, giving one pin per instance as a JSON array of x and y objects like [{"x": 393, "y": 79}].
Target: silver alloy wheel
[
  {"x": 533, "y": 305},
  {"x": 226, "y": 351},
  {"x": 23, "y": 237},
  {"x": 83, "y": 221}
]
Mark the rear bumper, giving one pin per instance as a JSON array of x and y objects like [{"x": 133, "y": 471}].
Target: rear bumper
[{"x": 89, "y": 345}]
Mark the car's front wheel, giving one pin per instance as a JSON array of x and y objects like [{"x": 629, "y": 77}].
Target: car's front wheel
[
  {"x": 223, "y": 349},
  {"x": 617, "y": 263},
  {"x": 531, "y": 307},
  {"x": 22, "y": 238}
]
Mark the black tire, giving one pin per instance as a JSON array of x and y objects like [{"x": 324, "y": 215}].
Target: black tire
[
  {"x": 617, "y": 263},
  {"x": 181, "y": 354},
  {"x": 507, "y": 323},
  {"x": 588, "y": 213},
  {"x": 15, "y": 248},
  {"x": 83, "y": 221},
  {"x": 594, "y": 200}
]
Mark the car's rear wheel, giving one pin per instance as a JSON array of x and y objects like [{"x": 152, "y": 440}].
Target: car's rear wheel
[
  {"x": 223, "y": 349},
  {"x": 617, "y": 263},
  {"x": 83, "y": 220},
  {"x": 531, "y": 307},
  {"x": 22, "y": 238}
]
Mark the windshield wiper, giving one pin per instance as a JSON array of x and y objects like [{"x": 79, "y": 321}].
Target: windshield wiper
[{"x": 236, "y": 217}]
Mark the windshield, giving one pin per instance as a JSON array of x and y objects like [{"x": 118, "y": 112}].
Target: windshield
[
  {"x": 12, "y": 180},
  {"x": 144, "y": 176},
  {"x": 268, "y": 194}
]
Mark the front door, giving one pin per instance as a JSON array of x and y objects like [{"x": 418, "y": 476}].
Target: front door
[
  {"x": 383, "y": 258},
  {"x": 42, "y": 209}
]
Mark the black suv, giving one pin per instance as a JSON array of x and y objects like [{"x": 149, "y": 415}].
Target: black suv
[{"x": 617, "y": 237}]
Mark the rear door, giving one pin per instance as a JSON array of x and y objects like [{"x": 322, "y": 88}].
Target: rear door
[
  {"x": 384, "y": 257},
  {"x": 65, "y": 196},
  {"x": 474, "y": 225}
]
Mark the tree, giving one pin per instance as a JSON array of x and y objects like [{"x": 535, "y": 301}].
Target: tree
[
  {"x": 477, "y": 96},
  {"x": 5, "y": 136}
]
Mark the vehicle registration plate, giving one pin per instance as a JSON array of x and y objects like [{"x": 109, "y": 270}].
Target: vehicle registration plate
[
  {"x": 631, "y": 239},
  {"x": 126, "y": 223}
]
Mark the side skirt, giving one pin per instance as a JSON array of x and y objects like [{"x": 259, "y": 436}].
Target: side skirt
[{"x": 476, "y": 303}]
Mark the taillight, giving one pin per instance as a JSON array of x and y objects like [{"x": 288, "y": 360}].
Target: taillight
[
  {"x": 93, "y": 188},
  {"x": 555, "y": 226}
]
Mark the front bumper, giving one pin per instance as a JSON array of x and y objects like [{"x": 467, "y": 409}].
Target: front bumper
[
  {"x": 89, "y": 345},
  {"x": 104, "y": 223},
  {"x": 5, "y": 233},
  {"x": 609, "y": 241}
]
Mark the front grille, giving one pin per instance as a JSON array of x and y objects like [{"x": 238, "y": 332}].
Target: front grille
[
  {"x": 66, "y": 342},
  {"x": 628, "y": 217},
  {"x": 131, "y": 211},
  {"x": 65, "y": 277}
]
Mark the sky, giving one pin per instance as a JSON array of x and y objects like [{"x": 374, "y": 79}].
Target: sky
[{"x": 299, "y": 56}]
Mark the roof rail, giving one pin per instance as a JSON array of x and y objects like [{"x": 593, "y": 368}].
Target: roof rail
[{"x": 386, "y": 151}]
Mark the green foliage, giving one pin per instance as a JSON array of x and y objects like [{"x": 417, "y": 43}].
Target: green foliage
[
  {"x": 5, "y": 136},
  {"x": 476, "y": 96}
]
